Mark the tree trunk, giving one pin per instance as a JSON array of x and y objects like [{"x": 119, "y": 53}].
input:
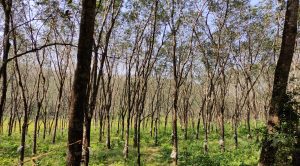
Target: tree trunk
[
  {"x": 139, "y": 139},
  {"x": 79, "y": 102},
  {"x": 156, "y": 130},
  {"x": 39, "y": 105},
  {"x": 268, "y": 153},
  {"x": 222, "y": 131},
  {"x": 125, "y": 151},
  {"x": 100, "y": 125},
  {"x": 248, "y": 121},
  {"x": 45, "y": 125},
  {"x": 57, "y": 110},
  {"x": 135, "y": 128},
  {"x": 123, "y": 126},
  {"x": 174, "y": 154},
  {"x": 87, "y": 138},
  {"x": 108, "y": 127},
  {"x": 25, "y": 119},
  {"x": 6, "y": 4}
]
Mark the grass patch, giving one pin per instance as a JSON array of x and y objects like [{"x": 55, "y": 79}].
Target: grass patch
[{"x": 191, "y": 151}]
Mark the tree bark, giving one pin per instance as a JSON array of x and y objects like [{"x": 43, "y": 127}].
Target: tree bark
[
  {"x": 59, "y": 100},
  {"x": 6, "y": 4},
  {"x": 79, "y": 99},
  {"x": 268, "y": 153}
]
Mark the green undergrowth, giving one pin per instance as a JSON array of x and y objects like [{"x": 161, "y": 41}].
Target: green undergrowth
[{"x": 191, "y": 151}]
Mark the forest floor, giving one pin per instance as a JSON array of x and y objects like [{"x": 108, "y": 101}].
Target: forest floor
[{"x": 191, "y": 151}]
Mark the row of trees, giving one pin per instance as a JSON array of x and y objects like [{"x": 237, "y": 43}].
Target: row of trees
[{"x": 141, "y": 63}]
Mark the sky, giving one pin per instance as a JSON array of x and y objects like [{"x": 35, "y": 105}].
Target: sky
[{"x": 254, "y": 2}]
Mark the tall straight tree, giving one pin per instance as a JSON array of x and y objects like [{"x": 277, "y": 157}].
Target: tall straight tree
[
  {"x": 282, "y": 70},
  {"x": 79, "y": 100},
  {"x": 7, "y": 5}
]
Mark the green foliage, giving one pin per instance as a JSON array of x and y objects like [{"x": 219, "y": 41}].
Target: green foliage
[{"x": 284, "y": 138}]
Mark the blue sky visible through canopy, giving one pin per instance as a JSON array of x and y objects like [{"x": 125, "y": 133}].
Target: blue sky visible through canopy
[{"x": 254, "y": 2}]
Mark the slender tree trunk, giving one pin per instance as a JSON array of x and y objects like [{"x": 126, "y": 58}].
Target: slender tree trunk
[
  {"x": 6, "y": 4},
  {"x": 156, "y": 129},
  {"x": 123, "y": 126},
  {"x": 236, "y": 133},
  {"x": 152, "y": 122},
  {"x": 23, "y": 136},
  {"x": 13, "y": 110},
  {"x": 174, "y": 154},
  {"x": 205, "y": 138},
  {"x": 108, "y": 127},
  {"x": 100, "y": 125},
  {"x": 199, "y": 117},
  {"x": 139, "y": 140},
  {"x": 198, "y": 128},
  {"x": 185, "y": 123},
  {"x": 125, "y": 151},
  {"x": 45, "y": 125},
  {"x": 35, "y": 127},
  {"x": 248, "y": 119},
  {"x": 129, "y": 107},
  {"x": 39, "y": 98},
  {"x": 135, "y": 128},
  {"x": 57, "y": 110},
  {"x": 25, "y": 103},
  {"x": 25, "y": 118},
  {"x": 87, "y": 138},
  {"x": 11, "y": 121},
  {"x": 222, "y": 131}
]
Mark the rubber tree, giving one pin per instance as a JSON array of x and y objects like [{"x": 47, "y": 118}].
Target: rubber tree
[
  {"x": 7, "y": 5},
  {"x": 79, "y": 99},
  {"x": 268, "y": 153}
]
